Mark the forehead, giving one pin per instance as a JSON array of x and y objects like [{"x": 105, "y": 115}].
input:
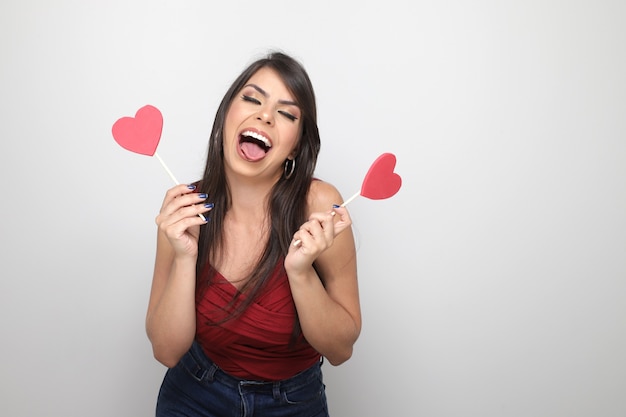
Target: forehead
[{"x": 271, "y": 83}]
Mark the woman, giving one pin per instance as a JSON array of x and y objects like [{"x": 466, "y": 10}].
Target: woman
[{"x": 255, "y": 274}]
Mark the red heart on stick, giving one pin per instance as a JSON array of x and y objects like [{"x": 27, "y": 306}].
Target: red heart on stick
[
  {"x": 142, "y": 133},
  {"x": 381, "y": 182}
]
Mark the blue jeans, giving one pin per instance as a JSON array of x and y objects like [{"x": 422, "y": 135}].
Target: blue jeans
[{"x": 196, "y": 387}]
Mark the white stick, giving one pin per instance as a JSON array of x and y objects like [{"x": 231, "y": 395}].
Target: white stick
[
  {"x": 298, "y": 241},
  {"x": 350, "y": 199},
  {"x": 171, "y": 174},
  {"x": 166, "y": 169}
]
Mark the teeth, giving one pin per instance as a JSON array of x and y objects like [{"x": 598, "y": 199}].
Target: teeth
[{"x": 257, "y": 137}]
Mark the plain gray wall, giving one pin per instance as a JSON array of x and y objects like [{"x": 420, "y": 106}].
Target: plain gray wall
[{"x": 493, "y": 284}]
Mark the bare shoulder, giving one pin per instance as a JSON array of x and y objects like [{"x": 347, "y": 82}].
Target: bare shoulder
[{"x": 322, "y": 196}]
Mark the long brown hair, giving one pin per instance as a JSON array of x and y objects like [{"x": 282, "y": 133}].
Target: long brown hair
[{"x": 287, "y": 204}]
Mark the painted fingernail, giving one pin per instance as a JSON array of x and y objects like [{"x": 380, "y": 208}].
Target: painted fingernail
[
  {"x": 336, "y": 206},
  {"x": 191, "y": 187},
  {"x": 209, "y": 205},
  {"x": 203, "y": 195}
]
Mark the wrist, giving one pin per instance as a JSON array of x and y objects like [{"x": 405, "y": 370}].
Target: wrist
[
  {"x": 185, "y": 260},
  {"x": 300, "y": 276}
]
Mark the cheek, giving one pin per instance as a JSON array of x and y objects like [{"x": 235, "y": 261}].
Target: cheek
[
  {"x": 231, "y": 120},
  {"x": 295, "y": 142},
  {"x": 294, "y": 131},
  {"x": 292, "y": 137}
]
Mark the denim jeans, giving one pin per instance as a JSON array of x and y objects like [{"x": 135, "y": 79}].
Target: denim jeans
[{"x": 196, "y": 387}]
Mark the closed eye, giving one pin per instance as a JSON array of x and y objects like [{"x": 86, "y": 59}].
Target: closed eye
[
  {"x": 253, "y": 100},
  {"x": 250, "y": 99},
  {"x": 288, "y": 115}
]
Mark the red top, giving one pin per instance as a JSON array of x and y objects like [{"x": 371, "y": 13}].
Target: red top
[{"x": 256, "y": 344}]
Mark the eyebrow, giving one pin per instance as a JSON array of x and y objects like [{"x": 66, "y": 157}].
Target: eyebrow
[{"x": 264, "y": 94}]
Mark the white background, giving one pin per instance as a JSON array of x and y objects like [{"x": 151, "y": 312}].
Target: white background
[{"x": 492, "y": 284}]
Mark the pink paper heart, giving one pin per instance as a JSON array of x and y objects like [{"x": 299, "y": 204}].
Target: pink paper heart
[
  {"x": 142, "y": 133},
  {"x": 381, "y": 182}
]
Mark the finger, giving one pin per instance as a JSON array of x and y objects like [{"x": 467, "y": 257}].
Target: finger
[
  {"x": 343, "y": 219},
  {"x": 323, "y": 223},
  {"x": 168, "y": 217},
  {"x": 178, "y": 190},
  {"x": 301, "y": 238},
  {"x": 172, "y": 194},
  {"x": 325, "y": 220},
  {"x": 181, "y": 229},
  {"x": 304, "y": 235},
  {"x": 182, "y": 200}
]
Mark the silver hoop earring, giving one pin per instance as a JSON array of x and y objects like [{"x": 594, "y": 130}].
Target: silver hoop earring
[{"x": 289, "y": 171}]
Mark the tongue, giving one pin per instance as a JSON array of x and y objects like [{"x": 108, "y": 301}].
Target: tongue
[{"x": 252, "y": 151}]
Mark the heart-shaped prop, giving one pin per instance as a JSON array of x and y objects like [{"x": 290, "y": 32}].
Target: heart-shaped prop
[
  {"x": 380, "y": 181},
  {"x": 142, "y": 133}
]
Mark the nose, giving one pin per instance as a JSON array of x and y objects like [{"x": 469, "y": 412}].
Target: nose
[{"x": 265, "y": 116}]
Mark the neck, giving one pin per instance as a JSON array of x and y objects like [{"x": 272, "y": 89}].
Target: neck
[{"x": 249, "y": 200}]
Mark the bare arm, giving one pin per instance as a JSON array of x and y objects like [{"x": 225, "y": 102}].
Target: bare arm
[
  {"x": 171, "y": 316},
  {"x": 326, "y": 296}
]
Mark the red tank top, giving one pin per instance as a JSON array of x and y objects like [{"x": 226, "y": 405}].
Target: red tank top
[{"x": 256, "y": 345}]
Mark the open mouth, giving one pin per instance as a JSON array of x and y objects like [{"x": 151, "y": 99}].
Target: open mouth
[{"x": 253, "y": 145}]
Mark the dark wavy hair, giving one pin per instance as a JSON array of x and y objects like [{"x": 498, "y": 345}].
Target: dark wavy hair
[{"x": 287, "y": 204}]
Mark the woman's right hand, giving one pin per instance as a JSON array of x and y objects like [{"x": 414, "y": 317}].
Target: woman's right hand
[{"x": 179, "y": 218}]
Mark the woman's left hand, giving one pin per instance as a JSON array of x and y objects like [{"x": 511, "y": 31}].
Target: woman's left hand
[{"x": 314, "y": 237}]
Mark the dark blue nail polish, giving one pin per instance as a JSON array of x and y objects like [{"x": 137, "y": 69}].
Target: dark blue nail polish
[
  {"x": 336, "y": 206},
  {"x": 191, "y": 187},
  {"x": 202, "y": 195},
  {"x": 209, "y": 205}
]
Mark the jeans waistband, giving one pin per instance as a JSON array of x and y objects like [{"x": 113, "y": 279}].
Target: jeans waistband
[{"x": 199, "y": 365}]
